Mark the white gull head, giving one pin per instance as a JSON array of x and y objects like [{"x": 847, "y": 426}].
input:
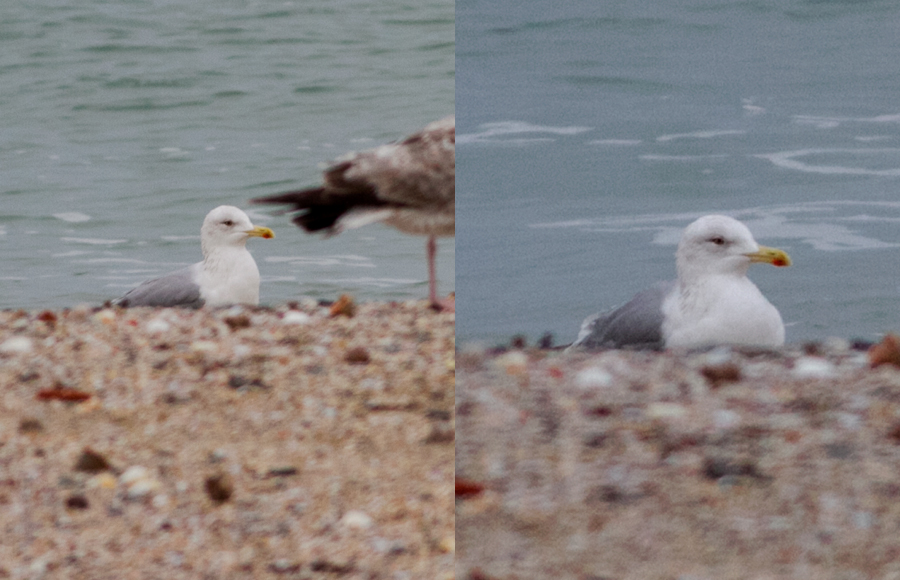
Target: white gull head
[{"x": 228, "y": 273}]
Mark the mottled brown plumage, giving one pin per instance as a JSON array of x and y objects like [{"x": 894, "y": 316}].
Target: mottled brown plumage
[{"x": 409, "y": 185}]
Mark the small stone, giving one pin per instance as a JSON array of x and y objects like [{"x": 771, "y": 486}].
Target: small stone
[
  {"x": 282, "y": 471},
  {"x": 157, "y": 326},
  {"x": 204, "y": 346},
  {"x": 105, "y": 316},
  {"x": 30, "y": 425},
  {"x": 592, "y": 378},
  {"x": 61, "y": 393},
  {"x": 142, "y": 488},
  {"x": 519, "y": 341},
  {"x": 441, "y": 433},
  {"x": 237, "y": 381},
  {"x": 133, "y": 474},
  {"x": 357, "y": 355},
  {"x": 219, "y": 488},
  {"x": 49, "y": 317},
  {"x": 718, "y": 374},
  {"x": 545, "y": 342},
  {"x": 357, "y": 520},
  {"x": 235, "y": 310},
  {"x": 886, "y": 352},
  {"x": 465, "y": 488},
  {"x": 176, "y": 393},
  {"x": 295, "y": 317},
  {"x": 105, "y": 480},
  {"x": 330, "y": 566},
  {"x": 91, "y": 461},
  {"x": 217, "y": 455},
  {"x": 836, "y": 344},
  {"x": 77, "y": 502},
  {"x": 343, "y": 306},
  {"x": 238, "y": 322},
  {"x": 813, "y": 367},
  {"x": 514, "y": 362},
  {"x": 719, "y": 467},
  {"x": 138, "y": 482},
  {"x": 17, "y": 345}
]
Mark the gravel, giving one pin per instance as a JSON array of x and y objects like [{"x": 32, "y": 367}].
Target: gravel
[
  {"x": 721, "y": 464},
  {"x": 230, "y": 443}
]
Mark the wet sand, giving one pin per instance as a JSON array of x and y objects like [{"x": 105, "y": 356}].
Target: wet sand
[
  {"x": 692, "y": 466},
  {"x": 234, "y": 443}
]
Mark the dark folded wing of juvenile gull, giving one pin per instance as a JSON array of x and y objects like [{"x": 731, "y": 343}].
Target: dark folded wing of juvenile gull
[
  {"x": 637, "y": 324},
  {"x": 409, "y": 185},
  {"x": 176, "y": 289}
]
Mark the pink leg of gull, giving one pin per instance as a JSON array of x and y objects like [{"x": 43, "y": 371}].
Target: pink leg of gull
[{"x": 447, "y": 305}]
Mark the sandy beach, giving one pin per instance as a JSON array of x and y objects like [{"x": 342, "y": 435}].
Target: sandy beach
[
  {"x": 714, "y": 465},
  {"x": 231, "y": 443}
]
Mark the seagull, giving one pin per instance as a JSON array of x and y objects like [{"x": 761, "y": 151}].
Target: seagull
[
  {"x": 712, "y": 302},
  {"x": 409, "y": 185},
  {"x": 227, "y": 274}
]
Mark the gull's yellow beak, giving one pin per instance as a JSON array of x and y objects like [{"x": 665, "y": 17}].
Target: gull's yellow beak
[
  {"x": 260, "y": 232},
  {"x": 768, "y": 255}
]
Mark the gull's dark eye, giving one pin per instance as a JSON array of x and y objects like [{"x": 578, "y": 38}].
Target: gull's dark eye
[
  {"x": 228, "y": 223},
  {"x": 718, "y": 240}
]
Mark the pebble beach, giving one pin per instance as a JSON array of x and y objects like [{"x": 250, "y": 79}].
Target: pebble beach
[
  {"x": 299, "y": 441},
  {"x": 707, "y": 465}
]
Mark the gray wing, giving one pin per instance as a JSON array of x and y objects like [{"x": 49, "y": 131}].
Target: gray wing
[
  {"x": 636, "y": 324},
  {"x": 175, "y": 289}
]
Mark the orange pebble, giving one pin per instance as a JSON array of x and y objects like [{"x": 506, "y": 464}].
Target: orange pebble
[
  {"x": 466, "y": 488},
  {"x": 344, "y": 306},
  {"x": 886, "y": 352}
]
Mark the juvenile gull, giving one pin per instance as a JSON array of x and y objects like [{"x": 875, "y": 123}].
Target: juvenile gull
[
  {"x": 409, "y": 184},
  {"x": 712, "y": 301},
  {"x": 227, "y": 274}
]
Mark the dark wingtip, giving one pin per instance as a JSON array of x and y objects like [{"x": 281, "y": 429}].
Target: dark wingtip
[
  {"x": 288, "y": 197},
  {"x": 301, "y": 199},
  {"x": 317, "y": 210}
]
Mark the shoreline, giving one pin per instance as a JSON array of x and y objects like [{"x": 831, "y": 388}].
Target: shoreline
[{"x": 232, "y": 442}]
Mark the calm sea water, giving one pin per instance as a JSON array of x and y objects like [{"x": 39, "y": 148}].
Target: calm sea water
[
  {"x": 591, "y": 134},
  {"x": 124, "y": 123}
]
